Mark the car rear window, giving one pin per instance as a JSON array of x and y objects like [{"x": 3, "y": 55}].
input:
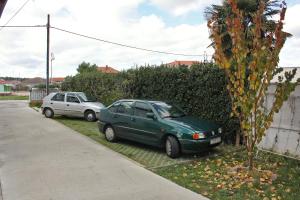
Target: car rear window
[{"x": 58, "y": 97}]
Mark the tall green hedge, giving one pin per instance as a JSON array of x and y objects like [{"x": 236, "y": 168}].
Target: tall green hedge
[
  {"x": 199, "y": 90},
  {"x": 104, "y": 87}
]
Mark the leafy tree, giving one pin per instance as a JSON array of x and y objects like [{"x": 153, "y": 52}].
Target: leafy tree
[
  {"x": 249, "y": 8},
  {"x": 85, "y": 67},
  {"x": 250, "y": 68}
]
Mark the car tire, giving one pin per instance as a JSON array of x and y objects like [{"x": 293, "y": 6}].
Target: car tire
[
  {"x": 48, "y": 112},
  {"x": 90, "y": 116},
  {"x": 172, "y": 147},
  {"x": 110, "y": 134}
]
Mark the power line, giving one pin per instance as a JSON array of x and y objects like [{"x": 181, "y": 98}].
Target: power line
[
  {"x": 24, "y": 26},
  {"x": 124, "y": 45},
  {"x": 17, "y": 12}
]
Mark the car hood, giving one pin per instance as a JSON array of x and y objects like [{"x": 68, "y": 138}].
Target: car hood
[
  {"x": 194, "y": 123},
  {"x": 94, "y": 104}
]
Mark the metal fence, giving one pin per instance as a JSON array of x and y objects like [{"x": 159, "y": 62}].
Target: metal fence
[{"x": 37, "y": 94}]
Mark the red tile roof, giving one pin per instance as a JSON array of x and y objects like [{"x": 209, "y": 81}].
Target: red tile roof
[
  {"x": 2, "y": 81},
  {"x": 57, "y": 79},
  {"x": 107, "y": 70},
  {"x": 177, "y": 63}
]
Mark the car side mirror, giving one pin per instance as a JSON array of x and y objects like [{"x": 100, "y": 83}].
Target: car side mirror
[{"x": 150, "y": 115}]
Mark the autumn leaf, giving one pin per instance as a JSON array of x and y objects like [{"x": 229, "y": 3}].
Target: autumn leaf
[
  {"x": 250, "y": 185},
  {"x": 288, "y": 190},
  {"x": 206, "y": 168}
]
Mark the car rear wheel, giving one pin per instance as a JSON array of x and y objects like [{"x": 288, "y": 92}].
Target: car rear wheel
[
  {"x": 48, "y": 113},
  {"x": 90, "y": 116},
  {"x": 110, "y": 134},
  {"x": 172, "y": 147}
]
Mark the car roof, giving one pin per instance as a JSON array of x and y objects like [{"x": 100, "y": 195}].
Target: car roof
[
  {"x": 68, "y": 92},
  {"x": 142, "y": 100}
]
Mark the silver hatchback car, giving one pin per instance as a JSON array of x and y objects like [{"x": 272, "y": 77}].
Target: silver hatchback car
[{"x": 74, "y": 104}]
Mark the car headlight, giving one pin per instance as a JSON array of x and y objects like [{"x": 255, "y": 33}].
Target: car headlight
[
  {"x": 197, "y": 136},
  {"x": 219, "y": 130}
]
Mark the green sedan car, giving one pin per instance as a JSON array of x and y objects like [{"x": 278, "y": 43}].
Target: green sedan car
[{"x": 158, "y": 124}]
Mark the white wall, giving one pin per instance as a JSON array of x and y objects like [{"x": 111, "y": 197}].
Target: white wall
[{"x": 284, "y": 134}]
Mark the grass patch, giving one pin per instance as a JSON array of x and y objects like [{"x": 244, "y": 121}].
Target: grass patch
[
  {"x": 148, "y": 156},
  {"x": 35, "y": 104},
  {"x": 212, "y": 178},
  {"x": 208, "y": 174},
  {"x": 12, "y": 97}
]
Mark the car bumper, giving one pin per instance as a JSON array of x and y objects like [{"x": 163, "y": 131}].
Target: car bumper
[
  {"x": 101, "y": 126},
  {"x": 195, "y": 146}
]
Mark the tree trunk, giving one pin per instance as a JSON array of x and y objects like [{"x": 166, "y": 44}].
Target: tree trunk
[
  {"x": 250, "y": 159},
  {"x": 237, "y": 138}
]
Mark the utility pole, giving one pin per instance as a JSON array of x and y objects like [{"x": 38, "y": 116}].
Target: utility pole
[
  {"x": 52, "y": 58},
  {"x": 48, "y": 54}
]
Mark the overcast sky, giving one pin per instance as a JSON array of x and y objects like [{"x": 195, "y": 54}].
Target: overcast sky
[{"x": 166, "y": 25}]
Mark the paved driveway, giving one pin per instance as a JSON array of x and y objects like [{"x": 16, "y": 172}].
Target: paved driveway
[{"x": 40, "y": 159}]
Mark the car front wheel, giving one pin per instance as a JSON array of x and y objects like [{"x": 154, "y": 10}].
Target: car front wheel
[
  {"x": 48, "y": 113},
  {"x": 110, "y": 134},
  {"x": 172, "y": 147}
]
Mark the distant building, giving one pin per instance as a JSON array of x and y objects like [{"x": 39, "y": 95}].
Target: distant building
[
  {"x": 5, "y": 89},
  {"x": 13, "y": 83},
  {"x": 107, "y": 70},
  {"x": 57, "y": 80},
  {"x": 178, "y": 63}
]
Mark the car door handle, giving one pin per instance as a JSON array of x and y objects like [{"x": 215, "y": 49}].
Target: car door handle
[
  {"x": 67, "y": 104},
  {"x": 132, "y": 119},
  {"x": 51, "y": 103},
  {"x": 115, "y": 116}
]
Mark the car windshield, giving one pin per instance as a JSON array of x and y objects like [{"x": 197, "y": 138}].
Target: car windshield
[
  {"x": 166, "y": 110},
  {"x": 84, "y": 98}
]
